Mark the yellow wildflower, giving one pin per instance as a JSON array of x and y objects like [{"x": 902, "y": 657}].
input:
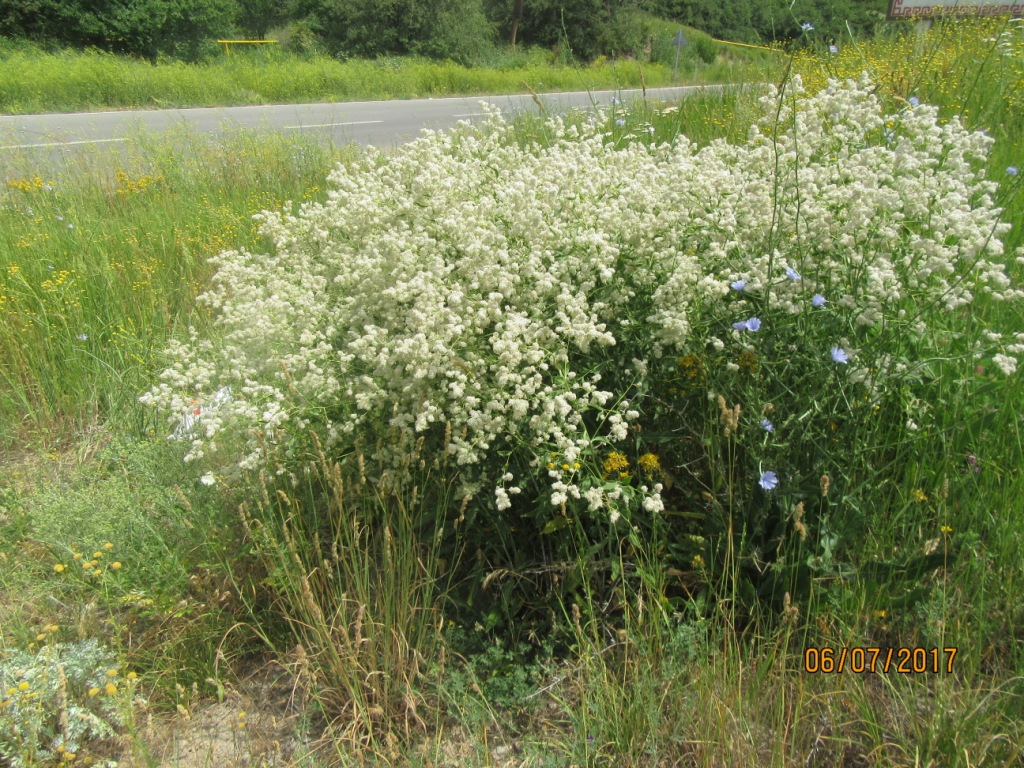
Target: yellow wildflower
[
  {"x": 616, "y": 462},
  {"x": 649, "y": 463}
]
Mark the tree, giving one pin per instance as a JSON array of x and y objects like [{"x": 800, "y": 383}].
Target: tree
[
  {"x": 183, "y": 28},
  {"x": 453, "y": 29},
  {"x": 257, "y": 17},
  {"x": 517, "y": 16}
]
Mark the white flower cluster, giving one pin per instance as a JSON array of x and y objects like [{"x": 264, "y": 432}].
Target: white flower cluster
[{"x": 466, "y": 279}]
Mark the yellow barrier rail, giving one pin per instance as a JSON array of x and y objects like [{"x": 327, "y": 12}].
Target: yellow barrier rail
[
  {"x": 744, "y": 45},
  {"x": 228, "y": 43}
]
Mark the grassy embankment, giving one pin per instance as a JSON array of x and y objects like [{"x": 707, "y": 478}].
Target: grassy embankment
[
  {"x": 100, "y": 268},
  {"x": 35, "y": 81}
]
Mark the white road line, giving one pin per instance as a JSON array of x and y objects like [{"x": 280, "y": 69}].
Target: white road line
[
  {"x": 59, "y": 143},
  {"x": 333, "y": 125}
]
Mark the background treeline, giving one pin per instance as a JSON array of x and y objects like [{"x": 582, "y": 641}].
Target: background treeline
[{"x": 462, "y": 30}]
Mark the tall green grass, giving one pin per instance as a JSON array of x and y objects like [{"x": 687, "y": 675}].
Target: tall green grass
[
  {"x": 33, "y": 81},
  {"x": 101, "y": 264}
]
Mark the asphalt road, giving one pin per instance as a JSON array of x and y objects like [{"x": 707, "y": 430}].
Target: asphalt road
[{"x": 377, "y": 123}]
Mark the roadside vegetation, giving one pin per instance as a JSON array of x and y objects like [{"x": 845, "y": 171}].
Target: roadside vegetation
[
  {"x": 33, "y": 80},
  {"x": 810, "y": 439}
]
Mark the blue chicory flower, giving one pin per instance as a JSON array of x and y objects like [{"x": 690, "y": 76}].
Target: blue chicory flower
[
  {"x": 620, "y": 121},
  {"x": 792, "y": 274},
  {"x": 767, "y": 426},
  {"x": 769, "y": 480},
  {"x": 839, "y": 355},
  {"x": 914, "y": 101},
  {"x": 739, "y": 285},
  {"x": 1012, "y": 170},
  {"x": 818, "y": 300},
  {"x": 807, "y": 26},
  {"x": 751, "y": 324},
  {"x": 833, "y": 49}
]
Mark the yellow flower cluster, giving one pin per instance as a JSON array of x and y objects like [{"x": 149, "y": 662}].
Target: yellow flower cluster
[
  {"x": 692, "y": 367},
  {"x": 29, "y": 185},
  {"x": 944, "y": 67},
  {"x": 748, "y": 362},
  {"x": 92, "y": 565},
  {"x": 649, "y": 463},
  {"x": 126, "y": 185},
  {"x": 616, "y": 463},
  {"x": 50, "y": 285}
]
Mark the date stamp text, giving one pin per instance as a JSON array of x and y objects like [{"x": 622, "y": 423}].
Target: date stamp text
[{"x": 901, "y": 660}]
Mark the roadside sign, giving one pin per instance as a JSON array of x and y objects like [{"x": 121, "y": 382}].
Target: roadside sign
[
  {"x": 904, "y": 9},
  {"x": 680, "y": 42}
]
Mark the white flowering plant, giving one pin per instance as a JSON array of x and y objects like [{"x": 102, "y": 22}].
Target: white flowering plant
[{"x": 530, "y": 308}]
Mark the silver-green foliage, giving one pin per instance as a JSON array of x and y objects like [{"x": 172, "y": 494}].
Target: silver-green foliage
[{"x": 46, "y": 707}]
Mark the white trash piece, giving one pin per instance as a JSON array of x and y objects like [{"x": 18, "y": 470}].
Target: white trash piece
[{"x": 197, "y": 410}]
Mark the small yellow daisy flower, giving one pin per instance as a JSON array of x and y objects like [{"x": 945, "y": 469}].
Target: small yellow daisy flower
[
  {"x": 115, "y": 566},
  {"x": 110, "y": 688},
  {"x": 77, "y": 556},
  {"x": 97, "y": 554},
  {"x": 23, "y": 686},
  {"x": 58, "y": 567},
  {"x": 111, "y": 673},
  {"x": 946, "y": 529},
  {"x": 131, "y": 675},
  {"x": 93, "y": 691},
  {"x": 108, "y": 546}
]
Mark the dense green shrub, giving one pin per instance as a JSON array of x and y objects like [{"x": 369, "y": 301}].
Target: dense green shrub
[{"x": 181, "y": 28}]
